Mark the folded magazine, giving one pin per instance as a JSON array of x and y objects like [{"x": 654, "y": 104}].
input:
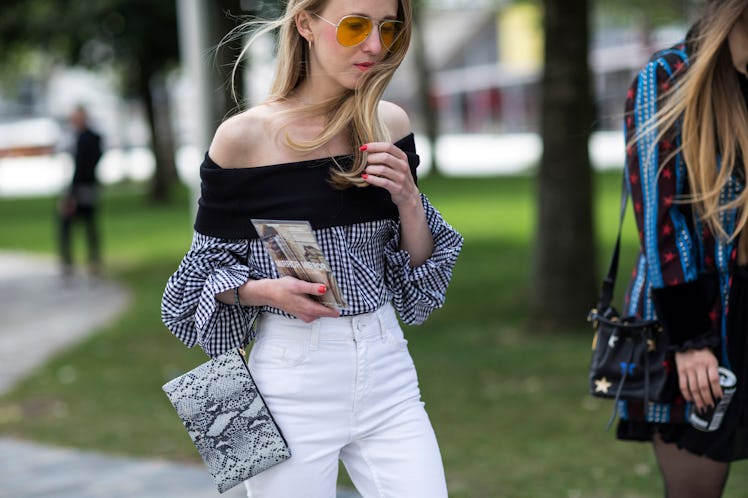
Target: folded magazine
[{"x": 295, "y": 252}]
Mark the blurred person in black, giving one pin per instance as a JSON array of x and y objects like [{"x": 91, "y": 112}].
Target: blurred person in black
[{"x": 80, "y": 200}]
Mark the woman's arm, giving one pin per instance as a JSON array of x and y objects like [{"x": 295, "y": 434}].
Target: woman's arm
[
  {"x": 287, "y": 293},
  {"x": 235, "y": 143},
  {"x": 388, "y": 168},
  {"x": 418, "y": 290},
  {"x": 189, "y": 307},
  {"x": 422, "y": 253},
  {"x": 657, "y": 182}
]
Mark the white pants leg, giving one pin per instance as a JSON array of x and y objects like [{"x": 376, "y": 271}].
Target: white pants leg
[{"x": 345, "y": 388}]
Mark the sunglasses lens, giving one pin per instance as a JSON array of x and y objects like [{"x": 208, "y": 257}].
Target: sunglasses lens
[
  {"x": 389, "y": 32},
  {"x": 353, "y": 30}
]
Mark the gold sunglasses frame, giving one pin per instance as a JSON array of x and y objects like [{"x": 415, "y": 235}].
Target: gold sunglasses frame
[{"x": 377, "y": 24}]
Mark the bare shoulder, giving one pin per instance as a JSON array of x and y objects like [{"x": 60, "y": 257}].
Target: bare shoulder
[
  {"x": 236, "y": 141},
  {"x": 395, "y": 119}
]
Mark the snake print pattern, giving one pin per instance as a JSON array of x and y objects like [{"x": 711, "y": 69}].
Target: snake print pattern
[{"x": 227, "y": 419}]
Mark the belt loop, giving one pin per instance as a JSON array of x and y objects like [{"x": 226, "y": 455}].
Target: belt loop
[
  {"x": 355, "y": 326},
  {"x": 383, "y": 332},
  {"x": 314, "y": 336}
]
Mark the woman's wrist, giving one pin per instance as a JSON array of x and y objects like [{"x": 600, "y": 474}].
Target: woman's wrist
[
  {"x": 250, "y": 293},
  {"x": 705, "y": 341},
  {"x": 411, "y": 202},
  {"x": 254, "y": 293},
  {"x": 412, "y": 213}
]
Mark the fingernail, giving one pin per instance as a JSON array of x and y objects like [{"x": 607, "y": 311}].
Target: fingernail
[
  {"x": 363, "y": 147},
  {"x": 365, "y": 176},
  {"x": 322, "y": 289}
]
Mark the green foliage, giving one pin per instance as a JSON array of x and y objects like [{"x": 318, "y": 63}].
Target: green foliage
[
  {"x": 509, "y": 404},
  {"x": 657, "y": 13},
  {"x": 137, "y": 36}
]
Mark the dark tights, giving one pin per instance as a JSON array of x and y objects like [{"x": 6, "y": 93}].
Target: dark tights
[{"x": 686, "y": 475}]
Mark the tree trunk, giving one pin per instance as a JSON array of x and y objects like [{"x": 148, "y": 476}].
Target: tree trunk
[
  {"x": 156, "y": 100},
  {"x": 221, "y": 22},
  {"x": 427, "y": 105},
  {"x": 565, "y": 259}
]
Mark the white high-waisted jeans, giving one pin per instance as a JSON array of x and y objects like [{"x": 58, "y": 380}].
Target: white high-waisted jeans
[{"x": 344, "y": 388}]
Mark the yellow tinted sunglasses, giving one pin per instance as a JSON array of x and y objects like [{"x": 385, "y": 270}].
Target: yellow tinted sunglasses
[{"x": 352, "y": 30}]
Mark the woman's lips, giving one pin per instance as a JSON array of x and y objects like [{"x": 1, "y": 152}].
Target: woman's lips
[{"x": 364, "y": 66}]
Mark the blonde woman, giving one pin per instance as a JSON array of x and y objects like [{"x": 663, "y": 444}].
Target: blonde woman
[
  {"x": 325, "y": 148},
  {"x": 687, "y": 129}
]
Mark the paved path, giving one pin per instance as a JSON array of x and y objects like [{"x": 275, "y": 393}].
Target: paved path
[
  {"x": 39, "y": 316},
  {"x": 29, "y": 470}
]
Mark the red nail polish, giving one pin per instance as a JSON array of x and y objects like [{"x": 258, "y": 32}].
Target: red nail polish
[
  {"x": 365, "y": 176},
  {"x": 363, "y": 147},
  {"x": 322, "y": 289}
]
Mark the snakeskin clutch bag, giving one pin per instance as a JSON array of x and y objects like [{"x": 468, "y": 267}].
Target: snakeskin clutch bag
[{"x": 227, "y": 419}]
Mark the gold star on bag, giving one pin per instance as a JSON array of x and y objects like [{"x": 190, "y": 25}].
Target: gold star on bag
[{"x": 602, "y": 385}]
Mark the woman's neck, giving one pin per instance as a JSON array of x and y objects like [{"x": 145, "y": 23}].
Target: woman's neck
[{"x": 309, "y": 95}]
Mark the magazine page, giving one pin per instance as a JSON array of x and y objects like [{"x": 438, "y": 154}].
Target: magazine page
[{"x": 295, "y": 252}]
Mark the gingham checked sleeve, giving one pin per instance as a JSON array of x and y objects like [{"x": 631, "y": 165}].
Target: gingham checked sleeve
[
  {"x": 366, "y": 259},
  {"x": 417, "y": 291},
  {"x": 189, "y": 308}
]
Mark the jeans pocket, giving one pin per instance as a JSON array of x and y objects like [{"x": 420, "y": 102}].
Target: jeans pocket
[
  {"x": 268, "y": 353},
  {"x": 396, "y": 337},
  {"x": 279, "y": 368}
]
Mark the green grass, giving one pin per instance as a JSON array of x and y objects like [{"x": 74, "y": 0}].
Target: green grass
[{"x": 508, "y": 403}]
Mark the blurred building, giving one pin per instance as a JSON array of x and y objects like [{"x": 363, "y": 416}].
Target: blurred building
[
  {"x": 487, "y": 64},
  {"x": 485, "y": 58}
]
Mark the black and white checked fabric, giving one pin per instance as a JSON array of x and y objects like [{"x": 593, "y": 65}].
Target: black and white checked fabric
[{"x": 365, "y": 258}]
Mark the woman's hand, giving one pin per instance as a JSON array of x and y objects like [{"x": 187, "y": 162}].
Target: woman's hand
[
  {"x": 288, "y": 294},
  {"x": 387, "y": 167},
  {"x": 698, "y": 377}
]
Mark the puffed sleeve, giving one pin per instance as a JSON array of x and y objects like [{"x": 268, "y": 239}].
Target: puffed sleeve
[
  {"x": 417, "y": 291},
  {"x": 657, "y": 181},
  {"x": 189, "y": 307}
]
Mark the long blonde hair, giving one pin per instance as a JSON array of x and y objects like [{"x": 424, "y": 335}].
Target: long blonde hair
[
  {"x": 714, "y": 125},
  {"x": 353, "y": 110}
]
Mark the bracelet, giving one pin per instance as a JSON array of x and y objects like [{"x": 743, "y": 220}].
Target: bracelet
[{"x": 236, "y": 297}]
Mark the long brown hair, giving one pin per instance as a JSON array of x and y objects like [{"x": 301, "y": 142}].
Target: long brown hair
[
  {"x": 354, "y": 110},
  {"x": 714, "y": 120}
]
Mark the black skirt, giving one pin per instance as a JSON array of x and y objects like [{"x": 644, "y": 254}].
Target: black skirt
[{"x": 730, "y": 441}]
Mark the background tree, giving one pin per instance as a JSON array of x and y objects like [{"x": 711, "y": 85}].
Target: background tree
[
  {"x": 424, "y": 74},
  {"x": 564, "y": 284},
  {"x": 136, "y": 37},
  {"x": 225, "y": 16}
]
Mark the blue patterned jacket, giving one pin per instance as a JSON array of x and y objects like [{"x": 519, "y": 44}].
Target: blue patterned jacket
[{"x": 682, "y": 273}]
